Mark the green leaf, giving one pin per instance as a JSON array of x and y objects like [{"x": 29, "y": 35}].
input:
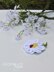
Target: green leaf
[
  {"x": 23, "y": 15},
  {"x": 45, "y": 44}
]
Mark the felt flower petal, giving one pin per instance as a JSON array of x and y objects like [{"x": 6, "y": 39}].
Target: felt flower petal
[{"x": 34, "y": 46}]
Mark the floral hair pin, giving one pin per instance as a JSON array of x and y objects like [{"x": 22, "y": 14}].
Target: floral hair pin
[{"x": 35, "y": 46}]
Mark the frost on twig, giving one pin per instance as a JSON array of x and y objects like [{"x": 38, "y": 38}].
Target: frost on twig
[
  {"x": 6, "y": 28},
  {"x": 19, "y": 35},
  {"x": 16, "y": 7},
  {"x": 41, "y": 26},
  {"x": 30, "y": 21},
  {"x": 1, "y": 24}
]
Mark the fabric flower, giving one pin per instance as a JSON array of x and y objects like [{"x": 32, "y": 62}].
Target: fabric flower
[{"x": 34, "y": 46}]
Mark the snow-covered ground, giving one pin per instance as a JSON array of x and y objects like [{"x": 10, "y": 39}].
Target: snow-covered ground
[{"x": 14, "y": 59}]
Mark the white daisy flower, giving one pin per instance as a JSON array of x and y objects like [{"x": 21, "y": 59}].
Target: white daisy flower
[{"x": 34, "y": 46}]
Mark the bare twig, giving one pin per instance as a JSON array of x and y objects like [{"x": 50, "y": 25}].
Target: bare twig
[{"x": 46, "y": 17}]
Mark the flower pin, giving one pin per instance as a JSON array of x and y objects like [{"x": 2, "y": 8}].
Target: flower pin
[{"x": 34, "y": 46}]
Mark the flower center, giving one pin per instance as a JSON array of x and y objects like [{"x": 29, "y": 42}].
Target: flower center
[{"x": 34, "y": 45}]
